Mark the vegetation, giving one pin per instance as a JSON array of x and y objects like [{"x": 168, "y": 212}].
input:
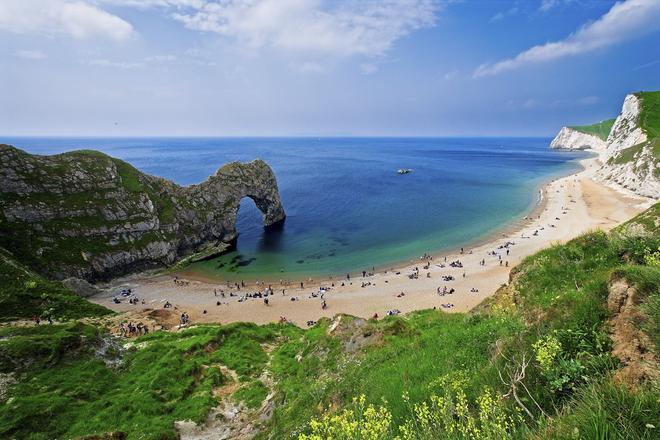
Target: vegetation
[
  {"x": 601, "y": 129},
  {"x": 649, "y": 117},
  {"x": 534, "y": 361},
  {"x": 24, "y": 294}
]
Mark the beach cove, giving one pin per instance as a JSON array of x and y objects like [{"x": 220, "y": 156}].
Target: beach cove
[{"x": 571, "y": 205}]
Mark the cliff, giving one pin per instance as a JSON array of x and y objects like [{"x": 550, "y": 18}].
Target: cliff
[
  {"x": 570, "y": 138},
  {"x": 629, "y": 151},
  {"x": 87, "y": 215}
]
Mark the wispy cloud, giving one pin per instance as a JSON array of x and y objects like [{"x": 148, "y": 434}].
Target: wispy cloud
[
  {"x": 450, "y": 75},
  {"x": 155, "y": 60},
  {"x": 160, "y": 59},
  {"x": 102, "y": 62},
  {"x": 646, "y": 65},
  {"x": 546, "y": 5},
  {"x": 31, "y": 54},
  {"x": 75, "y": 18},
  {"x": 308, "y": 67},
  {"x": 368, "y": 68},
  {"x": 503, "y": 14},
  {"x": 545, "y": 104},
  {"x": 624, "y": 21},
  {"x": 343, "y": 27}
]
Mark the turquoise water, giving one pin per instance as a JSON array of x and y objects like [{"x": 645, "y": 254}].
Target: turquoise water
[{"x": 347, "y": 208}]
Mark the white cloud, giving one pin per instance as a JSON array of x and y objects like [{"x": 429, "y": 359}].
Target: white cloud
[
  {"x": 61, "y": 17},
  {"x": 31, "y": 54},
  {"x": 344, "y": 27},
  {"x": 624, "y": 21}
]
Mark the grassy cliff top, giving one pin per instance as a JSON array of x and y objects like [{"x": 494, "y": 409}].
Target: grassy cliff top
[
  {"x": 649, "y": 117},
  {"x": 600, "y": 129}
]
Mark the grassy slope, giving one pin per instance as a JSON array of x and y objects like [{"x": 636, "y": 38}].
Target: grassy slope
[
  {"x": 600, "y": 129},
  {"x": 558, "y": 293},
  {"x": 649, "y": 118},
  {"x": 24, "y": 294}
]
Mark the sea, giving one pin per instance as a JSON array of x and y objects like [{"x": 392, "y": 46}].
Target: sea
[{"x": 347, "y": 208}]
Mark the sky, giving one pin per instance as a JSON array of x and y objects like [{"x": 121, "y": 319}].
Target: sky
[{"x": 321, "y": 67}]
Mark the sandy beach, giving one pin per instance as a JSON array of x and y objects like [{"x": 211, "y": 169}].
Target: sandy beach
[{"x": 570, "y": 206}]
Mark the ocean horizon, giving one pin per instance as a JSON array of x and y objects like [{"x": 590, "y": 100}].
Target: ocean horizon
[{"x": 347, "y": 207}]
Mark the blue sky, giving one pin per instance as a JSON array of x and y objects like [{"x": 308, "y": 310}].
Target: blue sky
[{"x": 321, "y": 67}]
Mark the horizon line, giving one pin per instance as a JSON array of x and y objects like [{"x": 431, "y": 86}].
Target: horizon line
[{"x": 274, "y": 136}]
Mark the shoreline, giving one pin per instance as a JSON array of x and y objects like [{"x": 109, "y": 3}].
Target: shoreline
[
  {"x": 570, "y": 205},
  {"x": 511, "y": 226}
]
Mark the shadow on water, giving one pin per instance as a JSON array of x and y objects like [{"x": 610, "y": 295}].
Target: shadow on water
[{"x": 271, "y": 238}]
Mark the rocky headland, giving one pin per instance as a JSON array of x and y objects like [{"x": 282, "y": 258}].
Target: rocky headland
[
  {"x": 87, "y": 215},
  {"x": 628, "y": 146}
]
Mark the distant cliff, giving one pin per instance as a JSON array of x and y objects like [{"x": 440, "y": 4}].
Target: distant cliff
[
  {"x": 589, "y": 137},
  {"x": 88, "y": 215},
  {"x": 628, "y": 146}
]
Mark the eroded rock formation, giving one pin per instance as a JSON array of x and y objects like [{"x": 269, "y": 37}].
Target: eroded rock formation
[
  {"x": 571, "y": 139},
  {"x": 87, "y": 215},
  {"x": 629, "y": 156}
]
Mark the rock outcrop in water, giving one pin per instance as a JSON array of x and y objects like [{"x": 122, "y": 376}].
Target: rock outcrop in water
[
  {"x": 630, "y": 153},
  {"x": 87, "y": 215}
]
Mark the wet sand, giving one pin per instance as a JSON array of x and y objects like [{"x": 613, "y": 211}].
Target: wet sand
[{"x": 572, "y": 205}]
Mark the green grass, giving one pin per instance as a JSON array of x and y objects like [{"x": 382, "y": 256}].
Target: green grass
[
  {"x": 66, "y": 390},
  {"x": 252, "y": 394},
  {"x": 649, "y": 117},
  {"x": 24, "y": 294},
  {"x": 604, "y": 411},
  {"x": 601, "y": 129},
  {"x": 135, "y": 182}
]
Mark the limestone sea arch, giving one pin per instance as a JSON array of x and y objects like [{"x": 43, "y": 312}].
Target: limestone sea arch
[{"x": 85, "y": 214}]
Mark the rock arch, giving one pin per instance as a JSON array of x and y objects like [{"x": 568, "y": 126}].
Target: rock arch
[{"x": 87, "y": 215}]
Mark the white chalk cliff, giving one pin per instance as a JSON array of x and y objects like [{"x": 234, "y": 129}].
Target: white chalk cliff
[
  {"x": 626, "y": 132},
  {"x": 572, "y": 139},
  {"x": 635, "y": 169}
]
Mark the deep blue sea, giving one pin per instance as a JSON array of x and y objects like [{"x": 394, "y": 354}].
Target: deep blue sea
[{"x": 347, "y": 208}]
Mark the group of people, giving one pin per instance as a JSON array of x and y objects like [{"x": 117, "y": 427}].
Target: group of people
[
  {"x": 179, "y": 282},
  {"x": 129, "y": 329},
  {"x": 37, "y": 320},
  {"x": 444, "y": 291}
]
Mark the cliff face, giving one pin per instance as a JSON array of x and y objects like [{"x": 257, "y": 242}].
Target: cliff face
[
  {"x": 630, "y": 156},
  {"x": 87, "y": 215},
  {"x": 626, "y": 131},
  {"x": 572, "y": 139}
]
